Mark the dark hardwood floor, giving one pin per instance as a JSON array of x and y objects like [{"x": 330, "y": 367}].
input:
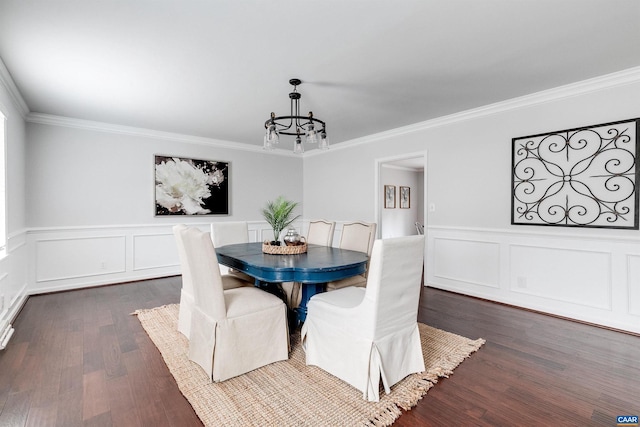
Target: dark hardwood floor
[{"x": 79, "y": 358}]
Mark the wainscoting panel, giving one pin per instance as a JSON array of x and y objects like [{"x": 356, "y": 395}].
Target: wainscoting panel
[
  {"x": 147, "y": 256},
  {"x": 593, "y": 278},
  {"x": 67, "y": 258},
  {"x": 77, "y": 257},
  {"x": 633, "y": 284},
  {"x": 254, "y": 235},
  {"x": 574, "y": 276},
  {"x": 467, "y": 261},
  {"x": 13, "y": 283}
]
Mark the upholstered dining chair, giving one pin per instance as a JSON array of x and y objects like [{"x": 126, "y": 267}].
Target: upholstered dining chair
[
  {"x": 186, "y": 293},
  {"x": 362, "y": 335},
  {"x": 233, "y": 331},
  {"x": 321, "y": 232},
  {"x": 228, "y": 233},
  {"x": 356, "y": 236}
]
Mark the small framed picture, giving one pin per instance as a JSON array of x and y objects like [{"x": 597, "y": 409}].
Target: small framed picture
[
  {"x": 405, "y": 197},
  {"x": 389, "y": 196}
]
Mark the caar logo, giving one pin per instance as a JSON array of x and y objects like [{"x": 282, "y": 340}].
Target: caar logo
[{"x": 627, "y": 420}]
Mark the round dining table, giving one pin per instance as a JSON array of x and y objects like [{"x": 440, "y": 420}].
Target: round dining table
[{"x": 313, "y": 269}]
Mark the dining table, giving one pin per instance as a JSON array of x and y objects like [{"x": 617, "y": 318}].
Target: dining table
[{"x": 312, "y": 269}]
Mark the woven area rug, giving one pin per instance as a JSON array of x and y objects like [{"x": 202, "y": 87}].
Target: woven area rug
[{"x": 290, "y": 393}]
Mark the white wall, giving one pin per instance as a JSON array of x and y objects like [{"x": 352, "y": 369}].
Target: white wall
[
  {"x": 80, "y": 177},
  {"x": 472, "y": 248},
  {"x": 13, "y": 266},
  {"x": 90, "y": 200}
]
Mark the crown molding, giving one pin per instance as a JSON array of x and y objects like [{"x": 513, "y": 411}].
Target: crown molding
[
  {"x": 7, "y": 81},
  {"x": 620, "y": 78},
  {"x": 52, "y": 120}
]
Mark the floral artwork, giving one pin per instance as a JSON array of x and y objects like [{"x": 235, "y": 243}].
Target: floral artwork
[
  {"x": 584, "y": 177},
  {"x": 405, "y": 197},
  {"x": 389, "y": 196},
  {"x": 191, "y": 187}
]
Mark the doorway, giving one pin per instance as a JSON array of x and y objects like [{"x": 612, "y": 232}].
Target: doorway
[{"x": 401, "y": 195}]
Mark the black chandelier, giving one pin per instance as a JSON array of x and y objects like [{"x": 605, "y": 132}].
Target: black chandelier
[{"x": 295, "y": 124}]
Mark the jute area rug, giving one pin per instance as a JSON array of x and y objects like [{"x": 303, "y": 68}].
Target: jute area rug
[{"x": 290, "y": 393}]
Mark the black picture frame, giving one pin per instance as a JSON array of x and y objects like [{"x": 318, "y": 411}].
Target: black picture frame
[{"x": 191, "y": 187}]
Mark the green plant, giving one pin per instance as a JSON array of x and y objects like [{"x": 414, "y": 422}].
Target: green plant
[{"x": 278, "y": 214}]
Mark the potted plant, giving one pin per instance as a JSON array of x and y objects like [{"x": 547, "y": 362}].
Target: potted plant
[{"x": 278, "y": 214}]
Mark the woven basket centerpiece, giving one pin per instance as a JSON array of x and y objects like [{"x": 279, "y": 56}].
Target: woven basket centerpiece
[{"x": 300, "y": 248}]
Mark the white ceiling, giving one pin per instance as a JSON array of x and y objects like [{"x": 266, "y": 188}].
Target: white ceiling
[{"x": 217, "y": 68}]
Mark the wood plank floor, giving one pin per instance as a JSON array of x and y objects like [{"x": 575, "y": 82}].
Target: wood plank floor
[{"x": 79, "y": 358}]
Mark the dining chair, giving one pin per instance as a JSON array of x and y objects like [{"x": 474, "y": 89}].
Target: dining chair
[
  {"x": 321, "y": 232},
  {"x": 363, "y": 335},
  {"x": 186, "y": 293},
  {"x": 356, "y": 236},
  {"x": 233, "y": 331},
  {"x": 228, "y": 233}
]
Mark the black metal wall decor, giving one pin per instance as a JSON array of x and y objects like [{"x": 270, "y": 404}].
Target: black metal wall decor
[{"x": 583, "y": 177}]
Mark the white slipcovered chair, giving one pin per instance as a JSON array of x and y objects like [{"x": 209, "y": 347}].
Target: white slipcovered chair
[
  {"x": 361, "y": 335},
  {"x": 186, "y": 293},
  {"x": 228, "y": 233},
  {"x": 321, "y": 232},
  {"x": 356, "y": 236},
  {"x": 233, "y": 331}
]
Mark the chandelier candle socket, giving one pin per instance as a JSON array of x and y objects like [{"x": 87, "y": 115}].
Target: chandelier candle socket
[{"x": 295, "y": 124}]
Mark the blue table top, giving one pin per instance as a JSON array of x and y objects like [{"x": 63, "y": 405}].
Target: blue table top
[{"x": 320, "y": 264}]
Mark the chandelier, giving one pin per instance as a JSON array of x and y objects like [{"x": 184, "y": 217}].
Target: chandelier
[{"x": 295, "y": 124}]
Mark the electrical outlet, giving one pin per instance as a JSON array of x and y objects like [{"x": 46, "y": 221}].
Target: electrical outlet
[
  {"x": 1, "y": 303},
  {"x": 522, "y": 282},
  {"x": 103, "y": 265}
]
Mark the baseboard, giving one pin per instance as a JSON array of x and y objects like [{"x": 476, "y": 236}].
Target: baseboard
[
  {"x": 6, "y": 336},
  {"x": 532, "y": 310},
  {"x": 6, "y": 327}
]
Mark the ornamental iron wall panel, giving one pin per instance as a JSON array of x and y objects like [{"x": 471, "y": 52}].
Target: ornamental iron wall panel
[{"x": 583, "y": 177}]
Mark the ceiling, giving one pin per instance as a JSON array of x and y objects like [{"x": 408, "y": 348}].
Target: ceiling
[{"x": 216, "y": 69}]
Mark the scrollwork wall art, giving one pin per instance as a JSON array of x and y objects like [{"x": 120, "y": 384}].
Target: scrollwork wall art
[
  {"x": 583, "y": 177},
  {"x": 191, "y": 186}
]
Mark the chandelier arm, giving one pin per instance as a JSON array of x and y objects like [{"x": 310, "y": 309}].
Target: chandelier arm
[
  {"x": 307, "y": 118},
  {"x": 283, "y": 128}
]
